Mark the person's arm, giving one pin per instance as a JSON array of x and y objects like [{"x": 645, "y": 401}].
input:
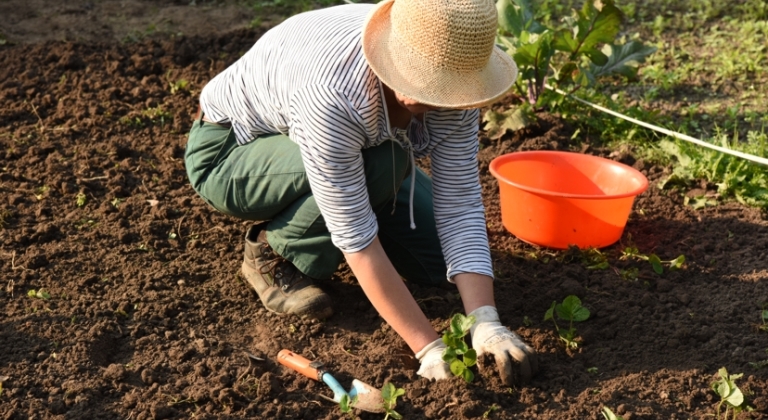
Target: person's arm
[{"x": 389, "y": 295}]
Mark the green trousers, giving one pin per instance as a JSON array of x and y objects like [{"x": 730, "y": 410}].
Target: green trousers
[{"x": 265, "y": 180}]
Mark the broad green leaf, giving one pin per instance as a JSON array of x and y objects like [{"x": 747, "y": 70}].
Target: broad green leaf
[
  {"x": 516, "y": 16},
  {"x": 622, "y": 60},
  {"x": 467, "y": 322},
  {"x": 571, "y": 310},
  {"x": 497, "y": 124},
  {"x": 596, "y": 56},
  {"x": 736, "y": 398},
  {"x": 468, "y": 375},
  {"x": 461, "y": 347},
  {"x": 550, "y": 312},
  {"x": 598, "y": 22},
  {"x": 656, "y": 263},
  {"x": 456, "y": 329},
  {"x": 388, "y": 391},
  {"x": 764, "y": 316},
  {"x": 449, "y": 355},
  {"x": 470, "y": 358},
  {"x": 457, "y": 367}
]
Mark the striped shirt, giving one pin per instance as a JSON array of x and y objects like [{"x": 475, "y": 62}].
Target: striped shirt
[{"x": 308, "y": 78}]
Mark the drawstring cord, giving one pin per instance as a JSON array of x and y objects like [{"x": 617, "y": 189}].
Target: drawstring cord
[{"x": 406, "y": 143}]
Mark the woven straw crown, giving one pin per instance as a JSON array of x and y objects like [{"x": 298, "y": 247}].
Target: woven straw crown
[{"x": 439, "y": 52}]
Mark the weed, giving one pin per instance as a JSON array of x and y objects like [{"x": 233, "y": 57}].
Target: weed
[
  {"x": 608, "y": 414},
  {"x": 178, "y": 86},
  {"x": 761, "y": 364},
  {"x": 390, "y": 393},
  {"x": 116, "y": 202},
  {"x": 40, "y": 192},
  {"x": 763, "y": 320},
  {"x": 39, "y": 294},
  {"x": 490, "y": 410},
  {"x": 457, "y": 353},
  {"x": 592, "y": 370},
  {"x": 5, "y": 215},
  {"x": 157, "y": 114},
  {"x": 572, "y": 311},
  {"x": 81, "y": 199},
  {"x": 730, "y": 395},
  {"x": 631, "y": 252}
]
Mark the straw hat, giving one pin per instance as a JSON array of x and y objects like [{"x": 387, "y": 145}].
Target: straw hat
[{"x": 439, "y": 52}]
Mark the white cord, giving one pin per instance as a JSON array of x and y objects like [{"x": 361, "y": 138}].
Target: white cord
[{"x": 747, "y": 156}]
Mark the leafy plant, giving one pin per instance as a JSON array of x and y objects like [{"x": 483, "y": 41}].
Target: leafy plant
[
  {"x": 39, "y": 294},
  {"x": 735, "y": 177},
  {"x": 572, "y": 311},
  {"x": 608, "y": 414},
  {"x": 632, "y": 252},
  {"x": 390, "y": 393},
  {"x": 457, "y": 354},
  {"x": 574, "y": 55},
  {"x": 730, "y": 394}
]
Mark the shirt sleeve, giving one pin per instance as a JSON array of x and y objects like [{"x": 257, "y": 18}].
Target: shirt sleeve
[
  {"x": 331, "y": 135},
  {"x": 458, "y": 202}
]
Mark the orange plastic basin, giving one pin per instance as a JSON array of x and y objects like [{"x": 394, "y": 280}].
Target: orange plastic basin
[{"x": 556, "y": 199}]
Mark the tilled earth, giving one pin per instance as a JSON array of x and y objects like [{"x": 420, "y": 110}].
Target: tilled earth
[{"x": 138, "y": 311}]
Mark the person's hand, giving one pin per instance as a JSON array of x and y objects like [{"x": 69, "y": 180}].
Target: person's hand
[
  {"x": 515, "y": 360},
  {"x": 431, "y": 360}
]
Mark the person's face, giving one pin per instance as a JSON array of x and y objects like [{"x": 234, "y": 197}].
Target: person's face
[{"x": 413, "y": 106}]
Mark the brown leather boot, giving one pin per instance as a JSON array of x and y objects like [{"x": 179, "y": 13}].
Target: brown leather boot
[{"x": 282, "y": 288}]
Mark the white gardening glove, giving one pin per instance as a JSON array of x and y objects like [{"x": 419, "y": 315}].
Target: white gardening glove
[
  {"x": 515, "y": 360},
  {"x": 431, "y": 359}
]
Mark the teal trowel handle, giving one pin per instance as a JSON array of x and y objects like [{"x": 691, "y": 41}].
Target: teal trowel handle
[{"x": 338, "y": 390}]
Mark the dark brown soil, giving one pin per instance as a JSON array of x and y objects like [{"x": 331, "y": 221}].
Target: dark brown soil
[{"x": 147, "y": 317}]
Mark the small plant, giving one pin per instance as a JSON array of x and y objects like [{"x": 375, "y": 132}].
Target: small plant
[
  {"x": 763, "y": 320},
  {"x": 116, "y": 202},
  {"x": 490, "y": 410},
  {"x": 346, "y": 404},
  {"x": 632, "y": 252},
  {"x": 390, "y": 393},
  {"x": 39, "y": 294},
  {"x": 608, "y": 414},
  {"x": 81, "y": 199},
  {"x": 458, "y": 355},
  {"x": 572, "y": 311},
  {"x": 730, "y": 395}
]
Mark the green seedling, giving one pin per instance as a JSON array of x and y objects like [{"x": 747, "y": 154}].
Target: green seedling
[
  {"x": 572, "y": 311},
  {"x": 346, "y": 403},
  {"x": 116, "y": 202},
  {"x": 81, "y": 199},
  {"x": 458, "y": 355},
  {"x": 389, "y": 394},
  {"x": 730, "y": 395},
  {"x": 490, "y": 410},
  {"x": 608, "y": 414},
  {"x": 763, "y": 320},
  {"x": 632, "y": 252},
  {"x": 39, "y": 294}
]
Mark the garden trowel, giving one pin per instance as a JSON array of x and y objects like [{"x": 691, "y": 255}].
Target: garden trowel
[{"x": 368, "y": 398}]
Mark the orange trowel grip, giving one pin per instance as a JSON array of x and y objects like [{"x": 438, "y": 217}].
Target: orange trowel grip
[{"x": 298, "y": 363}]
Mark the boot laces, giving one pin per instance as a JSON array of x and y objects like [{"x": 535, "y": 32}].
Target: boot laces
[{"x": 282, "y": 271}]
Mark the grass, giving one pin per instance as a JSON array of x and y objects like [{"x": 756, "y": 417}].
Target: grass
[{"x": 699, "y": 82}]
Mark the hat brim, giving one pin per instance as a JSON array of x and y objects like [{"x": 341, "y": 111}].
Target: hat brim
[{"x": 410, "y": 74}]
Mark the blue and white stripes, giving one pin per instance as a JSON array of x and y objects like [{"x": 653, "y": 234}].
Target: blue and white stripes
[{"x": 308, "y": 78}]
